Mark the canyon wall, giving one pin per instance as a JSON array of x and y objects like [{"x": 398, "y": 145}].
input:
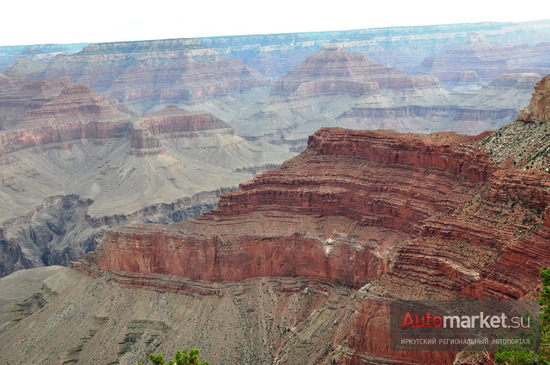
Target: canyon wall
[
  {"x": 395, "y": 216},
  {"x": 301, "y": 260}
]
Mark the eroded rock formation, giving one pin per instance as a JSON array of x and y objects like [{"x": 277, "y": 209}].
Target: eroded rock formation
[
  {"x": 539, "y": 107},
  {"x": 333, "y": 70},
  {"x": 143, "y": 74},
  {"x": 406, "y": 216},
  {"x": 477, "y": 61},
  {"x": 62, "y": 139}
]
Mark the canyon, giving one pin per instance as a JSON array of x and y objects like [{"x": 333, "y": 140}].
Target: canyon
[
  {"x": 444, "y": 77},
  {"x": 74, "y": 164},
  {"x": 265, "y": 197},
  {"x": 62, "y": 106},
  {"x": 305, "y": 259}
]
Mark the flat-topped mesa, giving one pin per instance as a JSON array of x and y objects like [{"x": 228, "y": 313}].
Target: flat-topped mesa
[
  {"x": 539, "y": 107},
  {"x": 448, "y": 151},
  {"x": 147, "y": 131},
  {"x": 162, "y": 45}
]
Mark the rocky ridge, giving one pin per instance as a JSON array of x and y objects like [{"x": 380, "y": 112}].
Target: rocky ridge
[
  {"x": 400, "y": 47},
  {"x": 217, "y": 75},
  {"x": 304, "y": 260},
  {"x": 146, "y": 73},
  {"x": 538, "y": 109},
  {"x": 460, "y": 218}
]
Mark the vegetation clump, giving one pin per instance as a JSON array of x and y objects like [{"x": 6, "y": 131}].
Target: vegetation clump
[{"x": 183, "y": 357}]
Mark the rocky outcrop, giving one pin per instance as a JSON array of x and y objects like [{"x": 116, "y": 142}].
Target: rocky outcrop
[
  {"x": 143, "y": 143},
  {"x": 307, "y": 194},
  {"x": 539, "y": 107},
  {"x": 305, "y": 259},
  {"x": 352, "y": 197},
  {"x": 173, "y": 120}
]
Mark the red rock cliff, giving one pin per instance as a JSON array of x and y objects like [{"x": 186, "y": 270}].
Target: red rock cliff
[
  {"x": 339, "y": 210},
  {"x": 412, "y": 216}
]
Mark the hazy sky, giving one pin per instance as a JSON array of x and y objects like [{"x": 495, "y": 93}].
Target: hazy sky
[{"x": 73, "y": 21}]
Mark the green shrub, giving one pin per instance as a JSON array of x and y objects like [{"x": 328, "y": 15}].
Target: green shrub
[{"x": 183, "y": 357}]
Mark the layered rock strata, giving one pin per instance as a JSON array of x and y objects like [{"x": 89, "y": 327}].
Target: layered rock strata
[
  {"x": 63, "y": 139},
  {"x": 143, "y": 74},
  {"x": 375, "y": 184},
  {"x": 333, "y": 70},
  {"x": 335, "y": 87},
  {"x": 477, "y": 61},
  {"x": 391, "y": 215}
]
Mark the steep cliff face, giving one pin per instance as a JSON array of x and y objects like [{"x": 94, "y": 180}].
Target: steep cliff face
[
  {"x": 302, "y": 260},
  {"x": 321, "y": 191},
  {"x": 339, "y": 211},
  {"x": 390, "y": 215}
]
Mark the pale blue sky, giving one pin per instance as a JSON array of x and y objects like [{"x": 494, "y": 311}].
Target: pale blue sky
[{"x": 73, "y": 21}]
